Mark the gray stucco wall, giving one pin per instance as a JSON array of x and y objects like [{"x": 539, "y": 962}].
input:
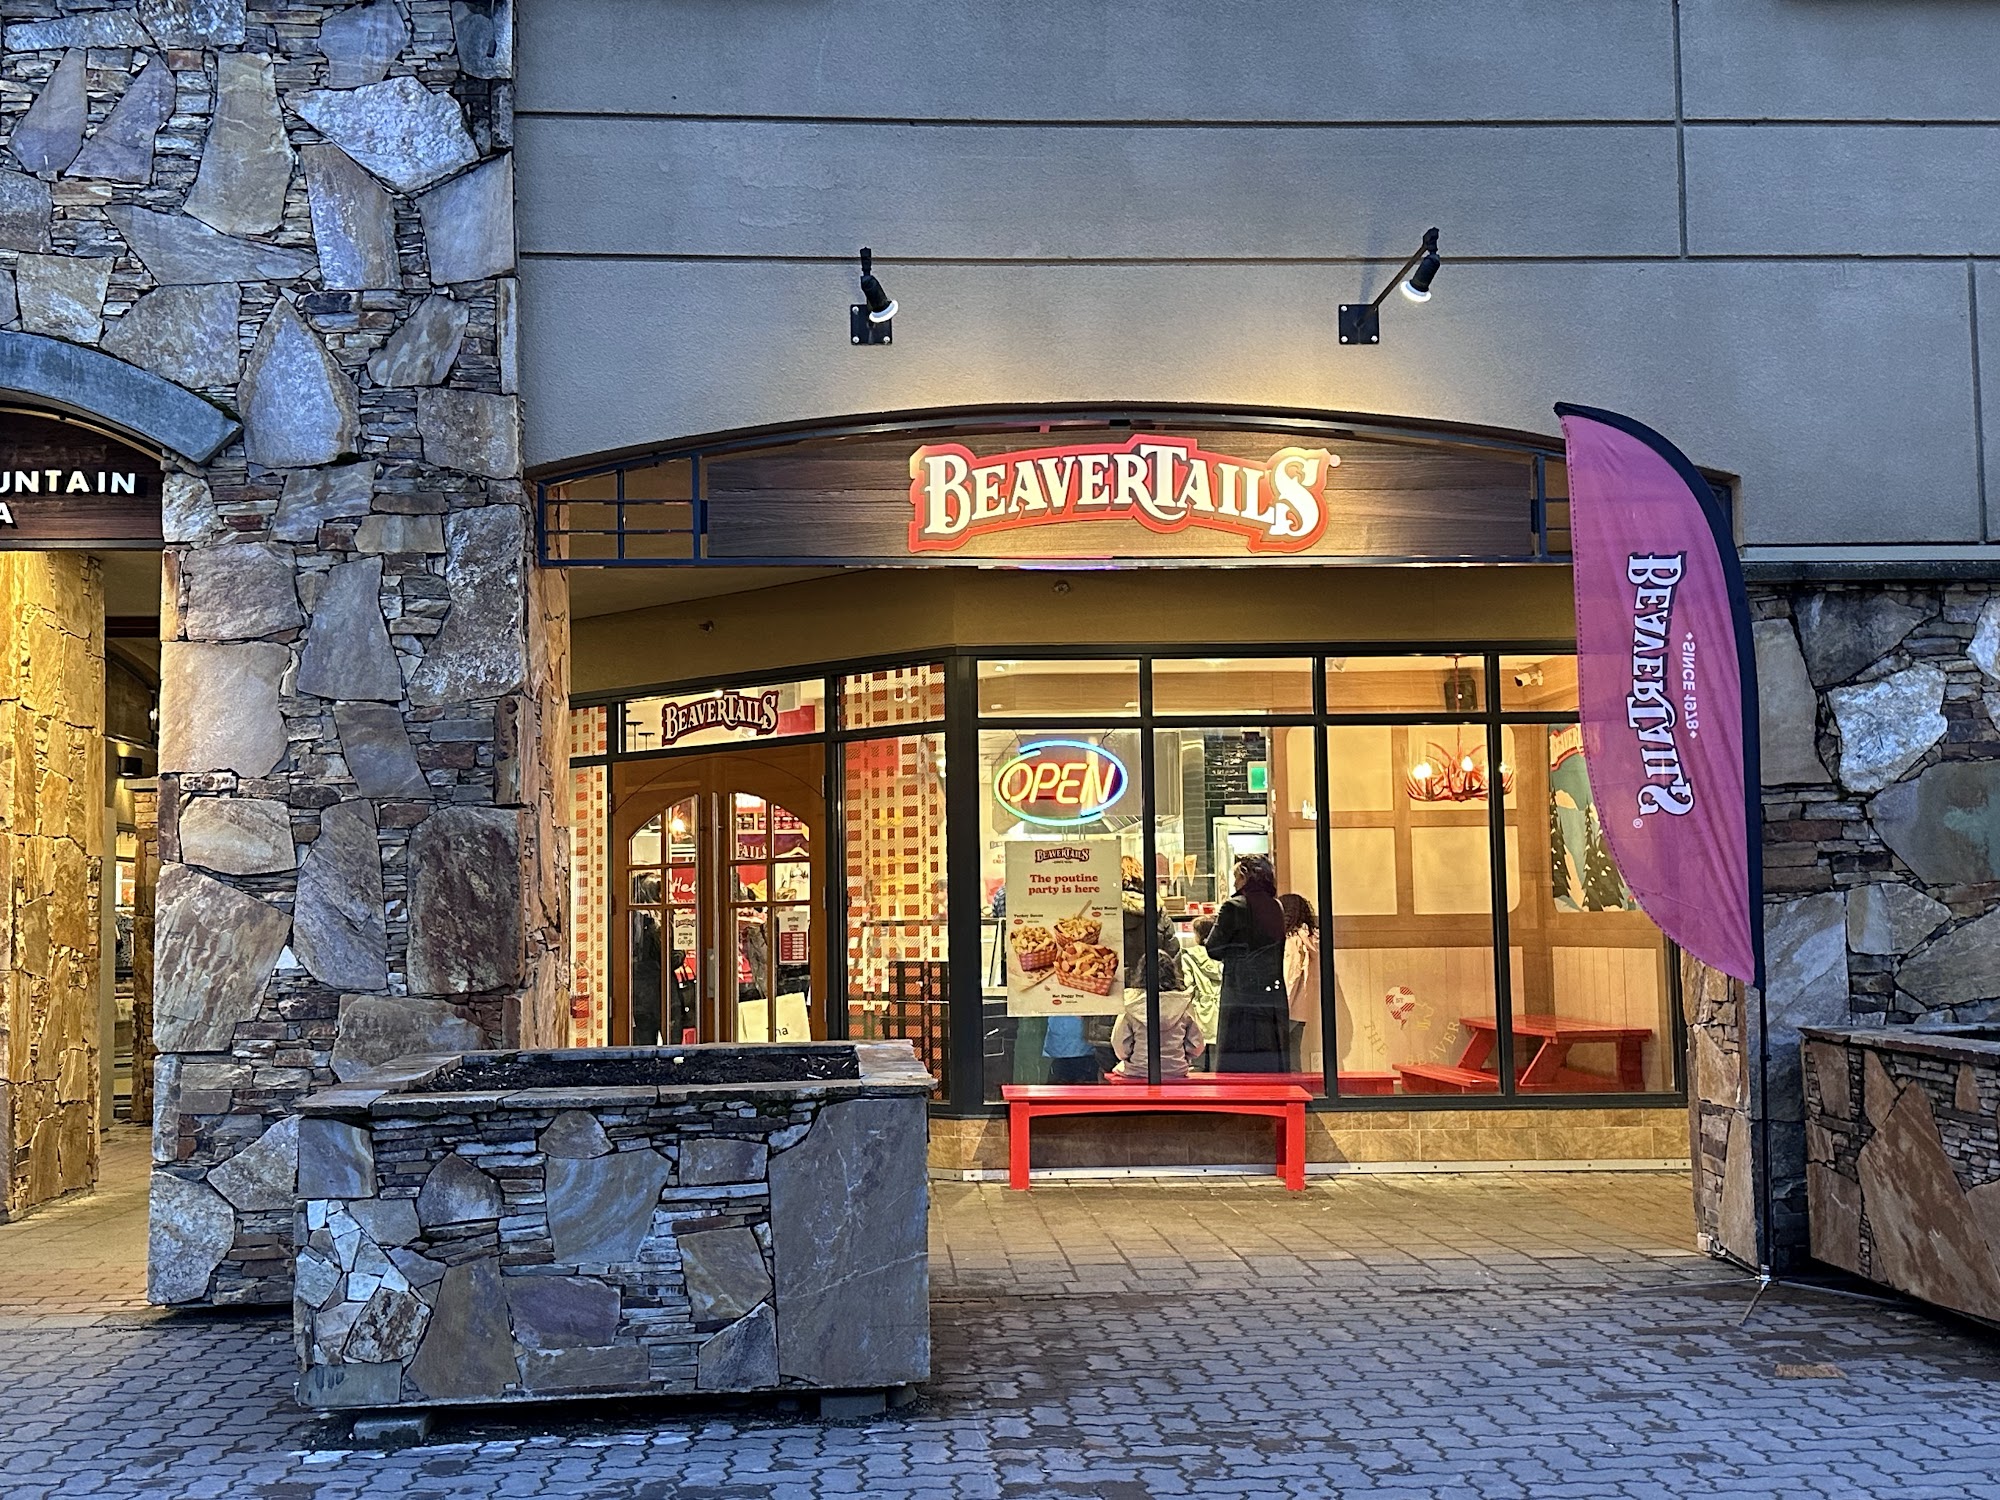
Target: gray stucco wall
[{"x": 1723, "y": 220}]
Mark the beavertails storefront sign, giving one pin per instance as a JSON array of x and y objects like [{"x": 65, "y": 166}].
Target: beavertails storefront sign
[
  {"x": 1070, "y": 492},
  {"x": 65, "y": 485},
  {"x": 1165, "y": 485}
]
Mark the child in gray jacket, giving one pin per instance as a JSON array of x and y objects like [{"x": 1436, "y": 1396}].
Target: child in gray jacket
[{"x": 1181, "y": 1040}]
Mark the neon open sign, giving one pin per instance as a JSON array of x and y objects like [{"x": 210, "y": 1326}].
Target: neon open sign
[{"x": 1058, "y": 783}]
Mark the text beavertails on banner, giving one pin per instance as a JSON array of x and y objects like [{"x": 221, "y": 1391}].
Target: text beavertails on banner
[{"x": 1666, "y": 678}]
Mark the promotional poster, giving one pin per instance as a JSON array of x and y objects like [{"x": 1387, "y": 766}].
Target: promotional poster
[{"x": 1065, "y": 931}]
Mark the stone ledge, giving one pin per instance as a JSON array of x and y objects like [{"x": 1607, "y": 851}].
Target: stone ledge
[
  {"x": 1968, "y": 1043},
  {"x": 431, "y": 1086}
]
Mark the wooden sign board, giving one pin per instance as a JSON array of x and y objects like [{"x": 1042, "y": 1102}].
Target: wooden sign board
[
  {"x": 63, "y": 484},
  {"x": 1128, "y": 496}
]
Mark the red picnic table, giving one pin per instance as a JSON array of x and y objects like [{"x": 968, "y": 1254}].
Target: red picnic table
[
  {"x": 1547, "y": 1071},
  {"x": 1283, "y": 1102}
]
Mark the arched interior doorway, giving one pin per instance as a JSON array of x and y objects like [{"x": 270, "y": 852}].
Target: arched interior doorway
[{"x": 80, "y": 571}]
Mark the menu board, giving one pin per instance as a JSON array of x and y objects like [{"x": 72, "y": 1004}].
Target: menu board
[{"x": 1065, "y": 927}]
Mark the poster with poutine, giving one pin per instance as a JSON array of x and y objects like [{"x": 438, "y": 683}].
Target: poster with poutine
[{"x": 1065, "y": 928}]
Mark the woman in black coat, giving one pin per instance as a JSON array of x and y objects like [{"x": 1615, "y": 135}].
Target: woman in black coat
[{"x": 1253, "y": 1023}]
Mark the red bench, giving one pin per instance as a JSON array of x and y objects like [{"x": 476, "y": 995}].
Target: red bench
[{"x": 1285, "y": 1103}]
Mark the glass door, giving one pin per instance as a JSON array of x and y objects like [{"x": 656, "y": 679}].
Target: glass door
[
  {"x": 770, "y": 901},
  {"x": 663, "y": 928},
  {"x": 720, "y": 883}
]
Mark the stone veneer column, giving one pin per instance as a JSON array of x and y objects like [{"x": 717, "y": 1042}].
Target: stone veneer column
[
  {"x": 51, "y": 853},
  {"x": 1720, "y": 1116},
  {"x": 1880, "y": 709},
  {"x": 305, "y": 213}
]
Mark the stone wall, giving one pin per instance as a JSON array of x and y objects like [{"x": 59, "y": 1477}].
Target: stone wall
[
  {"x": 51, "y": 852},
  {"x": 1721, "y": 1113},
  {"x": 305, "y": 213},
  {"x": 1880, "y": 709},
  {"x": 520, "y": 1226},
  {"x": 1903, "y": 1167}
]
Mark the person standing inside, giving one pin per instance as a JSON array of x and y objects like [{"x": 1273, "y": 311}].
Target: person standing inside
[
  {"x": 1181, "y": 1039},
  {"x": 1204, "y": 980},
  {"x": 1253, "y": 1022},
  {"x": 1071, "y": 1058},
  {"x": 1302, "y": 981}
]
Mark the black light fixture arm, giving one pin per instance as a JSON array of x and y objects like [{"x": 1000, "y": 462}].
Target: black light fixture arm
[
  {"x": 1361, "y": 322},
  {"x": 1428, "y": 247},
  {"x": 868, "y": 321}
]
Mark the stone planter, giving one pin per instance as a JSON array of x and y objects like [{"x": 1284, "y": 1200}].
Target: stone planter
[
  {"x": 1903, "y": 1160},
  {"x": 519, "y": 1226}
]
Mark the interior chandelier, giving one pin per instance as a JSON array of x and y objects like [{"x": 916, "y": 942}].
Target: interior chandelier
[{"x": 1459, "y": 776}]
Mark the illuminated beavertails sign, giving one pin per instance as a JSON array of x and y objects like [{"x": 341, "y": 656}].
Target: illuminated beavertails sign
[{"x": 1163, "y": 484}]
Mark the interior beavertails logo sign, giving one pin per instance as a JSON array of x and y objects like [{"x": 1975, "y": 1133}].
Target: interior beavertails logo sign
[
  {"x": 1163, "y": 484},
  {"x": 755, "y": 712}
]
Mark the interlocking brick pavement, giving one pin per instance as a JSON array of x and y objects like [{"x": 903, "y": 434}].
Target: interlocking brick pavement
[{"x": 1495, "y": 1335}]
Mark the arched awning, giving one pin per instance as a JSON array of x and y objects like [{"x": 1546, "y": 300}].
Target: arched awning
[{"x": 71, "y": 378}]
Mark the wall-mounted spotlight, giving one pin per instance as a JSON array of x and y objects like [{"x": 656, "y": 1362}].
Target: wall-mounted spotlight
[
  {"x": 868, "y": 320},
  {"x": 1361, "y": 322}
]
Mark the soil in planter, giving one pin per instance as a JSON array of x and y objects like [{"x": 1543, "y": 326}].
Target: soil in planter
[{"x": 694, "y": 1066}]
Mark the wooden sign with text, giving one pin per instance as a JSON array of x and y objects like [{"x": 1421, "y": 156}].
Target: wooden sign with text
[
  {"x": 1193, "y": 496},
  {"x": 1164, "y": 485},
  {"x": 63, "y": 484}
]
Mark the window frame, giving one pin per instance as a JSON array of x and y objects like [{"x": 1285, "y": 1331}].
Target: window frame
[{"x": 959, "y": 728}]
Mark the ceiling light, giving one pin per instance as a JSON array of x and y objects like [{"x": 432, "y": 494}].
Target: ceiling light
[
  {"x": 1361, "y": 322},
  {"x": 868, "y": 320}
]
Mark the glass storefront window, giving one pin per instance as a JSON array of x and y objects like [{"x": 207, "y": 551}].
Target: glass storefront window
[
  {"x": 1413, "y": 928},
  {"x": 1060, "y": 828},
  {"x": 662, "y": 928},
  {"x": 1234, "y": 817},
  {"x": 1217, "y": 685},
  {"x": 1590, "y": 973},
  {"x": 1405, "y": 684},
  {"x": 1538, "y": 684},
  {"x": 769, "y": 897},
  {"x": 1108, "y": 858},
  {"x": 726, "y": 716},
  {"x": 893, "y": 819},
  {"x": 892, "y": 696},
  {"x": 1059, "y": 689},
  {"x": 589, "y": 872},
  {"x": 589, "y": 875}
]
